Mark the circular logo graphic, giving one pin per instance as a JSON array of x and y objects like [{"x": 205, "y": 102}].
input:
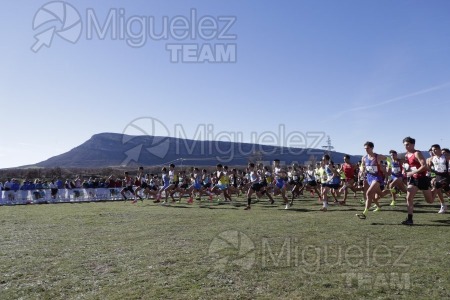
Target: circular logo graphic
[
  {"x": 158, "y": 144},
  {"x": 64, "y": 21},
  {"x": 232, "y": 248}
]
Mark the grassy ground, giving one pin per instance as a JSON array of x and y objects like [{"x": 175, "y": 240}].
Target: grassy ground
[{"x": 117, "y": 250}]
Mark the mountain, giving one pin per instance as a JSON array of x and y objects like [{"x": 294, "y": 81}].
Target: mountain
[{"x": 112, "y": 149}]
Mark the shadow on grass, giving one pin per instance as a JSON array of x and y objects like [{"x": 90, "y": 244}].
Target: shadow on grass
[
  {"x": 311, "y": 210},
  {"x": 426, "y": 205},
  {"x": 279, "y": 207},
  {"x": 220, "y": 206},
  {"x": 166, "y": 206},
  {"x": 179, "y": 206},
  {"x": 298, "y": 209},
  {"x": 217, "y": 207},
  {"x": 342, "y": 209},
  {"x": 405, "y": 211},
  {"x": 445, "y": 223}
]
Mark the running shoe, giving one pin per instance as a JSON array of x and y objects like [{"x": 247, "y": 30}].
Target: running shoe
[
  {"x": 443, "y": 209},
  {"x": 361, "y": 216},
  {"x": 407, "y": 222}
]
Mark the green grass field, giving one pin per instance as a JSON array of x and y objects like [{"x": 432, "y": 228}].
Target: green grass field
[{"x": 116, "y": 250}]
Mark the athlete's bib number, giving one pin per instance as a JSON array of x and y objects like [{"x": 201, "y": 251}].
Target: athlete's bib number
[
  {"x": 396, "y": 170},
  {"x": 440, "y": 168},
  {"x": 372, "y": 169}
]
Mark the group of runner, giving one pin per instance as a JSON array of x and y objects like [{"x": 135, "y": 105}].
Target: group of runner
[
  {"x": 375, "y": 175},
  {"x": 413, "y": 174}
]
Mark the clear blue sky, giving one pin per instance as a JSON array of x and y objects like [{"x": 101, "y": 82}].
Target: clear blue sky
[{"x": 355, "y": 70}]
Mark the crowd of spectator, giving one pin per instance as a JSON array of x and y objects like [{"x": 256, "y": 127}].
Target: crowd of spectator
[{"x": 26, "y": 191}]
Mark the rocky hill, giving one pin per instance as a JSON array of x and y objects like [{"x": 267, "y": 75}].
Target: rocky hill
[{"x": 112, "y": 149}]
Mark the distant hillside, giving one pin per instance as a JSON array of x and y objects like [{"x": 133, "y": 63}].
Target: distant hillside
[{"x": 112, "y": 149}]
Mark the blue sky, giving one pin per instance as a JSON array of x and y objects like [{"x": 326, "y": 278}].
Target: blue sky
[{"x": 353, "y": 70}]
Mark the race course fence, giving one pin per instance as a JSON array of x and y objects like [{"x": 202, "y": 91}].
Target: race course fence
[{"x": 41, "y": 196}]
